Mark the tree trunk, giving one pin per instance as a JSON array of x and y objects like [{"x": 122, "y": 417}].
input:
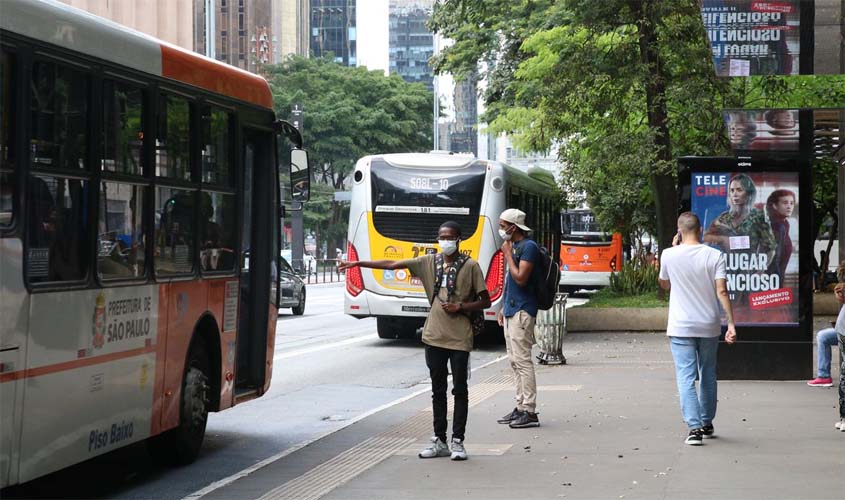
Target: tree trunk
[{"x": 662, "y": 182}]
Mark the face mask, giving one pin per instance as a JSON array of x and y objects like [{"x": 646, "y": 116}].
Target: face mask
[
  {"x": 505, "y": 235},
  {"x": 448, "y": 246}
]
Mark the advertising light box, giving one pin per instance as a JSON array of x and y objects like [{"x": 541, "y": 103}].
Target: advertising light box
[{"x": 753, "y": 218}]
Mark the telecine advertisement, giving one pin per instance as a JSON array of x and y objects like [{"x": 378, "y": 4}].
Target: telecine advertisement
[{"x": 753, "y": 219}]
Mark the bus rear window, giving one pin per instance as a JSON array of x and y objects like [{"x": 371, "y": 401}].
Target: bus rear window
[{"x": 409, "y": 204}]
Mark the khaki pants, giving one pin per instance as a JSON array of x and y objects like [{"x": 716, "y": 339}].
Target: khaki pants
[{"x": 519, "y": 337}]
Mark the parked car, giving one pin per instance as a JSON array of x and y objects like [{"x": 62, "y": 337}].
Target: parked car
[
  {"x": 309, "y": 263},
  {"x": 292, "y": 289}
]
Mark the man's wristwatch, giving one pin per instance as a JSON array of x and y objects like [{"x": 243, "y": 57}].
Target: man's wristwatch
[{"x": 460, "y": 306}]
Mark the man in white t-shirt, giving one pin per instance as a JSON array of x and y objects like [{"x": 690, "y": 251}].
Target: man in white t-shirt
[{"x": 695, "y": 273}]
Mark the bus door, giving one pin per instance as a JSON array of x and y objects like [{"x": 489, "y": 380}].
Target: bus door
[
  {"x": 14, "y": 309},
  {"x": 256, "y": 271}
]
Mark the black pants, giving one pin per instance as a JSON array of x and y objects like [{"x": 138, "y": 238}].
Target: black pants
[{"x": 436, "y": 359}]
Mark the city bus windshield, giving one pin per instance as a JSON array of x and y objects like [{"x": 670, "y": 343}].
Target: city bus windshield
[{"x": 411, "y": 203}]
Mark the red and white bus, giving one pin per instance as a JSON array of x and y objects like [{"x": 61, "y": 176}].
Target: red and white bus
[
  {"x": 588, "y": 255},
  {"x": 139, "y": 229}
]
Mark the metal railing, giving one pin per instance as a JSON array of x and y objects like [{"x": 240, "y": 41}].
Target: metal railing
[{"x": 321, "y": 271}]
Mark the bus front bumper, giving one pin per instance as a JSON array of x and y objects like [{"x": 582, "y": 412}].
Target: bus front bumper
[
  {"x": 589, "y": 279},
  {"x": 367, "y": 304}
]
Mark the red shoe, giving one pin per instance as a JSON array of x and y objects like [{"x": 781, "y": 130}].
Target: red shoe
[{"x": 821, "y": 382}]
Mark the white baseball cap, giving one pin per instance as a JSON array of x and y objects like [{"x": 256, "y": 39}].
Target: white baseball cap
[{"x": 515, "y": 216}]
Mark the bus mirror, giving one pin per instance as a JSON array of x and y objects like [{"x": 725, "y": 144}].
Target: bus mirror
[{"x": 300, "y": 176}]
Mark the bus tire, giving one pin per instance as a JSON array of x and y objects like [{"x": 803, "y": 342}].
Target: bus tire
[
  {"x": 299, "y": 309},
  {"x": 181, "y": 445},
  {"x": 386, "y": 329}
]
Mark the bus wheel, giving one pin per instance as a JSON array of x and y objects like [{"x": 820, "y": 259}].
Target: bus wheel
[
  {"x": 387, "y": 329},
  {"x": 181, "y": 445}
]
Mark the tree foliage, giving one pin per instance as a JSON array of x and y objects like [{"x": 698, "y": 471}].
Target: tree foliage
[
  {"x": 351, "y": 112},
  {"x": 348, "y": 113},
  {"x": 621, "y": 87}
]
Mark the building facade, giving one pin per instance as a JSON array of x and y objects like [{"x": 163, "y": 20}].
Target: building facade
[
  {"x": 333, "y": 30},
  {"x": 168, "y": 20},
  {"x": 252, "y": 33},
  {"x": 411, "y": 42},
  {"x": 464, "y": 133}
]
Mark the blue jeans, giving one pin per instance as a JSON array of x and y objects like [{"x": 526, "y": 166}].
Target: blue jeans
[
  {"x": 825, "y": 339},
  {"x": 696, "y": 356}
]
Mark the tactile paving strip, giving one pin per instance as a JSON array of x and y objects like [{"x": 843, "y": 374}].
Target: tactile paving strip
[{"x": 329, "y": 475}]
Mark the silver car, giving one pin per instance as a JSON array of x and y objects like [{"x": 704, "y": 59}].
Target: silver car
[{"x": 292, "y": 288}]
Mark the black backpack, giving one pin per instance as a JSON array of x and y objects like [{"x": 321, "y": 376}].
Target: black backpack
[{"x": 548, "y": 279}]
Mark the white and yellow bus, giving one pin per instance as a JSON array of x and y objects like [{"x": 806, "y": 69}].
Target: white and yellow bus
[{"x": 398, "y": 204}]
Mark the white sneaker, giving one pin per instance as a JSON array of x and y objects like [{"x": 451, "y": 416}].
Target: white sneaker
[
  {"x": 458, "y": 450},
  {"x": 437, "y": 449},
  {"x": 840, "y": 425}
]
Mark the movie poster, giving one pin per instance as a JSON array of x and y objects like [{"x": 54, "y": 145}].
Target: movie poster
[
  {"x": 753, "y": 219},
  {"x": 750, "y": 37}
]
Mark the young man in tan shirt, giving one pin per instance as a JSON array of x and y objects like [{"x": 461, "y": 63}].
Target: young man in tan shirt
[{"x": 447, "y": 333}]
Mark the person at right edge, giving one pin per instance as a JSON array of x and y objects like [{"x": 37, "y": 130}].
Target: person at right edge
[
  {"x": 839, "y": 291},
  {"x": 695, "y": 274},
  {"x": 519, "y": 313}
]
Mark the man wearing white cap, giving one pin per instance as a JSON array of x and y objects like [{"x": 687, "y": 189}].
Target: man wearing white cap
[{"x": 519, "y": 311}]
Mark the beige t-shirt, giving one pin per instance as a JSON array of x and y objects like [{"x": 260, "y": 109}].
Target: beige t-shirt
[{"x": 450, "y": 331}]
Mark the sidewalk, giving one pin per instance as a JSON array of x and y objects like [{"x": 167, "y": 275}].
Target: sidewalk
[{"x": 611, "y": 428}]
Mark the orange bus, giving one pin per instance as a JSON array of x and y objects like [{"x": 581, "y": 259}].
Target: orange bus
[
  {"x": 139, "y": 236},
  {"x": 588, "y": 256}
]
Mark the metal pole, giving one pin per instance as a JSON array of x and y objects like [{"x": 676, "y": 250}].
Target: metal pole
[
  {"x": 436, "y": 100},
  {"x": 840, "y": 192}
]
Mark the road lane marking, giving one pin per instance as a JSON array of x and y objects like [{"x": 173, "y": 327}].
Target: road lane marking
[
  {"x": 249, "y": 470},
  {"x": 323, "y": 347}
]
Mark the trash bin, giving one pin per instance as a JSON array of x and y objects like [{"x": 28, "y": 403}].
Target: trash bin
[{"x": 549, "y": 332}]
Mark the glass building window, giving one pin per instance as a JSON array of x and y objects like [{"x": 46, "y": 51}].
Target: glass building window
[
  {"x": 120, "y": 231},
  {"x": 123, "y": 136},
  {"x": 174, "y": 231},
  {"x": 59, "y": 116},
  {"x": 58, "y": 232},
  {"x": 172, "y": 141},
  {"x": 218, "y": 231},
  {"x": 216, "y": 168}
]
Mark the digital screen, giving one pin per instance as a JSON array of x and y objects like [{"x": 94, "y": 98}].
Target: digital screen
[
  {"x": 753, "y": 219},
  {"x": 762, "y": 130}
]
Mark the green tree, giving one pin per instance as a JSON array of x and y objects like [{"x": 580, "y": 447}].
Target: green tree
[{"x": 348, "y": 113}]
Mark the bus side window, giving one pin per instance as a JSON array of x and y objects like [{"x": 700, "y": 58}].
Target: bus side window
[
  {"x": 7, "y": 140},
  {"x": 217, "y": 232},
  {"x": 58, "y": 225},
  {"x": 120, "y": 235},
  {"x": 58, "y": 229},
  {"x": 174, "y": 231}
]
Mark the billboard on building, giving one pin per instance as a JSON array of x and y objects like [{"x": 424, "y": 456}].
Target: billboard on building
[{"x": 750, "y": 37}]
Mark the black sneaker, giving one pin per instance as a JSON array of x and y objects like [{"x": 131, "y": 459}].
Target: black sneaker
[
  {"x": 510, "y": 417},
  {"x": 694, "y": 438},
  {"x": 707, "y": 431},
  {"x": 525, "y": 419}
]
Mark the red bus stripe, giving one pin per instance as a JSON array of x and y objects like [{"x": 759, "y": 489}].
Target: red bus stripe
[
  {"x": 188, "y": 67},
  {"x": 76, "y": 363}
]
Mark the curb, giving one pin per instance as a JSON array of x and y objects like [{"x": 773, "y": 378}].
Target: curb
[
  {"x": 605, "y": 319},
  {"x": 654, "y": 319}
]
